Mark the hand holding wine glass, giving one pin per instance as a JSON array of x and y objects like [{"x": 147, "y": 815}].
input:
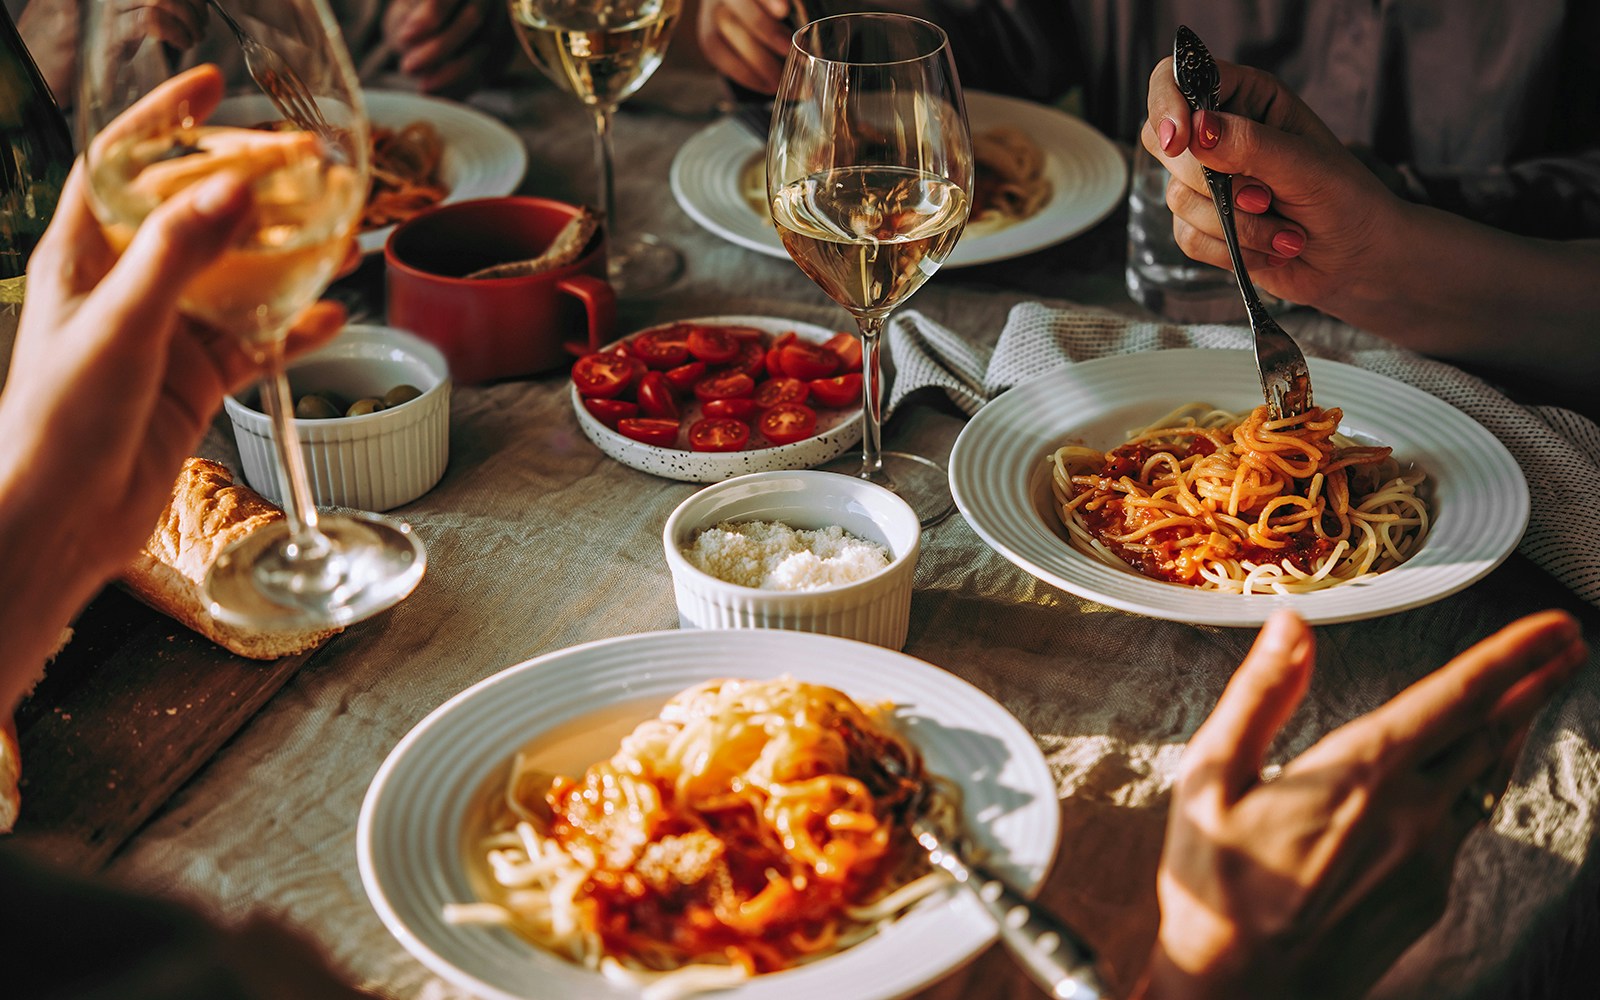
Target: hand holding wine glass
[
  {"x": 602, "y": 51},
  {"x": 153, "y": 136},
  {"x": 869, "y": 179}
]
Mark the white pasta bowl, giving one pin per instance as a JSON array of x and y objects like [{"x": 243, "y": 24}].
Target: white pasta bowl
[
  {"x": 875, "y": 609},
  {"x": 376, "y": 461}
]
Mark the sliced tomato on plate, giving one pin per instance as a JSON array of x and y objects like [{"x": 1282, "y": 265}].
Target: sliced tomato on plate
[
  {"x": 788, "y": 422},
  {"x": 609, "y": 411},
  {"x": 713, "y": 344},
  {"x": 605, "y": 375},
  {"x": 780, "y": 390},
  {"x": 685, "y": 376},
  {"x": 737, "y": 407},
  {"x": 660, "y": 349},
  {"x": 836, "y": 392},
  {"x": 724, "y": 385},
  {"x": 752, "y": 359},
  {"x": 655, "y": 397},
  {"x": 650, "y": 430},
  {"x": 848, "y": 347},
  {"x": 718, "y": 434},
  {"x": 775, "y": 353},
  {"x": 808, "y": 361}
]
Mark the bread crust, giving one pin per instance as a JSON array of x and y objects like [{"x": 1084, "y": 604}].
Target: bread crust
[
  {"x": 10, "y": 774},
  {"x": 208, "y": 512}
]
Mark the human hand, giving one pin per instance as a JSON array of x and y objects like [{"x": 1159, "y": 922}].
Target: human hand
[
  {"x": 1312, "y": 884},
  {"x": 112, "y": 388},
  {"x": 445, "y": 45},
  {"x": 746, "y": 40},
  {"x": 1315, "y": 225}
]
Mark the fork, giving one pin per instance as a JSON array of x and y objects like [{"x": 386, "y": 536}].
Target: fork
[
  {"x": 277, "y": 79},
  {"x": 1050, "y": 953},
  {"x": 1285, "y": 380}
]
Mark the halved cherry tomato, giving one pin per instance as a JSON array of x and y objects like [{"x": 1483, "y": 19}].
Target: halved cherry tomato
[
  {"x": 841, "y": 390},
  {"x": 808, "y": 361},
  {"x": 752, "y": 358},
  {"x": 605, "y": 375},
  {"x": 746, "y": 333},
  {"x": 650, "y": 430},
  {"x": 724, "y": 385},
  {"x": 609, "y": 411},
  {"x": 775, "y": 353},
  {"x": 718, "y": 434},
  {"x": 661, "y": 349},
  {"x": 848, "y": 347},
  {"x": 684, "y": 377},
  {"x": 781, "y": 390},
  {"x": 713, "y": 344},
  {"x": 655, "y": 397},
  {"x": 788, "y": 422},
  {"x": 739, "y": 408}
]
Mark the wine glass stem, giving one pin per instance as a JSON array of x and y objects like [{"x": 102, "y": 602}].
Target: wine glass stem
[
  {"x": 298, "y": 510},
  {"x": 871, "y": 328},
  {"x": 603, "y": 172}
]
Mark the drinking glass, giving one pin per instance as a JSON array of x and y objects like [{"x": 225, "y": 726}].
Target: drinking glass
[
  {"x": 869, "y": 179},
  {"x": 150, "y": 131},
  {"x": 602, "y": 51}
]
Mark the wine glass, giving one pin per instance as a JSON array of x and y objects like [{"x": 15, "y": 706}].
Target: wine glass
[
  {"x": 150, "y": 131},
  {"x": 602, "y": 51},
  {"x": 869, "y": 178}
]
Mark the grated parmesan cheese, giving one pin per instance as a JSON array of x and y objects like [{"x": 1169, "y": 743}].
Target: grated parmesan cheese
[{"x": 770, "y": 555}]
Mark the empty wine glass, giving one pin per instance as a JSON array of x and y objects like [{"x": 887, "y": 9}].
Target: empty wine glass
[
  {"x": 150, "y": 132},
  {"x": 869, "y": 178},
  {"x": 602, "y": 51}
]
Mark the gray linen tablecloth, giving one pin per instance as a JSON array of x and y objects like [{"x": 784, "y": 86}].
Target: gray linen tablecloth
[{"x": 536, "y": 541}]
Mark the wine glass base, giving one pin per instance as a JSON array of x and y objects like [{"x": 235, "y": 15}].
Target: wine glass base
[
  {"x": 920, "y": 482},
  {"x": 260, "y": 582},
  {"x": 643, "y": 266}
]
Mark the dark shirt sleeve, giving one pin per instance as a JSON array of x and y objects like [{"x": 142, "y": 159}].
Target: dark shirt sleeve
[
  {"x": 1026, "y": 48},
  {"x": 1554, "y": 198}
]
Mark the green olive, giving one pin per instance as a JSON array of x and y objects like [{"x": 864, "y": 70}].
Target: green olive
[
  {"x": 314, "y": 407},
  {"x": 362, "y": 407},
  {"x": 401, "y": 394}
]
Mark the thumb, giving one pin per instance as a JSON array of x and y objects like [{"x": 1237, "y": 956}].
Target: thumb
[
  {"x": 175, "y": 243},
  {"x": 1260, "y": 697},
  {"x": 1232, "y": 144}
]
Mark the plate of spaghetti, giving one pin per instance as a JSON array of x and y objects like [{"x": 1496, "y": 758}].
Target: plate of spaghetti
[
  {"x": 1155, "y": 483},
  {"x": 427, "y": 151},
  {"x": 667, "y": 814},
  {"x": 1043, "y": 176}
]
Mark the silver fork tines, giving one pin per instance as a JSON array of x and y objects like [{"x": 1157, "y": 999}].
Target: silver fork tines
[
  {"x": 276, "y": 78},
  {"x": 1285, "y": 380}
]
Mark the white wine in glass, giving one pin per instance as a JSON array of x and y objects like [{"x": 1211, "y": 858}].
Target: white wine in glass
[
  {"x": 602, "y": 51},
  {"x": 869, "y": 179},
  {"x": 151, "y": 132}
]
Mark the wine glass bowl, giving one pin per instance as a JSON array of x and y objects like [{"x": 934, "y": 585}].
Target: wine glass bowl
[
  {"x": 602, "y": 51},
  {"x": 154, "y": 132},
  {"x": 869, "y": 182}
]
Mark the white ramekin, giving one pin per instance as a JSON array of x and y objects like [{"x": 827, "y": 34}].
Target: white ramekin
[
  {"x": 372, "y": 462},
  {"x": 876, "y": 609}
]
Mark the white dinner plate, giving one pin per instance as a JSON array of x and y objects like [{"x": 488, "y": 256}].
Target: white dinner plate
[
  {"x": 837, "y": 430},
  {"x": 1000, "y": 476},
  {"x": 1087, "y": 174},
  {"x": 412, "y": 839},
  {"x": 482, "y": 158}
]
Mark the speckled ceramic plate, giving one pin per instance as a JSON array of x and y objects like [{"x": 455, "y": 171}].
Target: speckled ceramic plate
[
  {"x": 837, "y": 430},
  {"x": 570, "y": 708}
]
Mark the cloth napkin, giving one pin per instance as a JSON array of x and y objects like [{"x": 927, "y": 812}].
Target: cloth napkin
[{"x": 1558, "y": 450}]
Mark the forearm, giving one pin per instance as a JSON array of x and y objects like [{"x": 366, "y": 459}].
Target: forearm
[{"x": 1447, "y": 287}]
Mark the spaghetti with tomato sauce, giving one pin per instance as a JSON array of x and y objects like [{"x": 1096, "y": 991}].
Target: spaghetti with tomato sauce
[
  {"x": 750, "y": 827},
  {"x": 1242, "y": 503}
]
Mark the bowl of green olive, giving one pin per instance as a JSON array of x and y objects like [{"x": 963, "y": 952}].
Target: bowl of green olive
[{"x": 372, "y": 411}]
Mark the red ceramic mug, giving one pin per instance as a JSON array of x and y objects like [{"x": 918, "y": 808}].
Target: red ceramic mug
[{"x": 491, "y": 328}]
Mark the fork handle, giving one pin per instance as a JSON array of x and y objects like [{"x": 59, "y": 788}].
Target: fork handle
[
  {"x": 1049, "y": 951},
  {"x": 1221, "y": 186}
]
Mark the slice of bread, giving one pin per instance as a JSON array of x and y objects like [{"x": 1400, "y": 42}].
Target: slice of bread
[{"x": 207, "y": 513}]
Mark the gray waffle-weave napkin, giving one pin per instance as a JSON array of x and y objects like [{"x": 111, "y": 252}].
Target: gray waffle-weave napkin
[{"x": 1559, "y": 450}]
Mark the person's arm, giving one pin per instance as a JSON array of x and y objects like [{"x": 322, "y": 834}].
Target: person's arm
[
  {"x": 449, "y": 47},
  {"x": 1320, "y": 229},
  {"x": 1312, "y": 883}
]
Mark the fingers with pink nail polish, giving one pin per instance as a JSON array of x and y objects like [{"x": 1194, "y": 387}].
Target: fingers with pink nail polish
[
  {"x": 1253, "y": 198},
  {"x": 1288, "y": 243}
]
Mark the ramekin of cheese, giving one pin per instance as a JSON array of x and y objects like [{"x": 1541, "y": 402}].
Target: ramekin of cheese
[{"x": 803, "y": 550}]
